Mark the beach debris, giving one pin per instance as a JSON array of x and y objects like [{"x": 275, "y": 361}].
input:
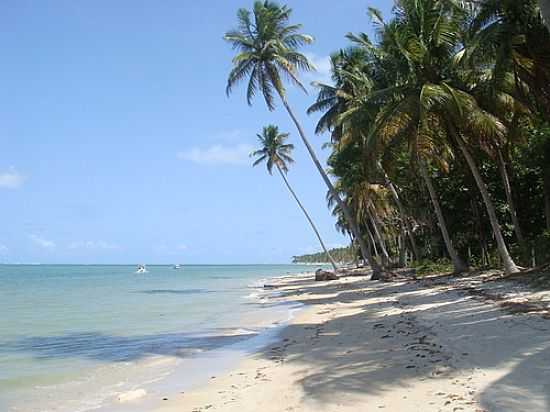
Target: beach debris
[{"x": 324, "y": 275}]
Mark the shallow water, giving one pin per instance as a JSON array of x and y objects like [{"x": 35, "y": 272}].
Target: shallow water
[{"x": 73, "y": 338}]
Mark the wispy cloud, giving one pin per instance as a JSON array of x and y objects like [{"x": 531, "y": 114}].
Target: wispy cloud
[
  {"x": 93, "y": 245},
  {"x": 41, "y": 242},
  {"x": 3, "y": 249},
  {"x": 323, "y": 66},
  {"x": 11, "y": 179},
  {"x": 218, "y": 155}
]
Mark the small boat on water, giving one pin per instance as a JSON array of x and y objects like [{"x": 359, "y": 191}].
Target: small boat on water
[
  {"x": 178, "y": 266},
  {"x": 141, "y": 269}
]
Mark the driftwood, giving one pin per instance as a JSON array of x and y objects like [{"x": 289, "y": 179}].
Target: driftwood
[{"x": 323, "y": 275}]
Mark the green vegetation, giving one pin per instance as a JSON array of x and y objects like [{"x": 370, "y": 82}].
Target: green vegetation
[
  {"x": 439, "y": 128},
  {"x": 341, "y": 255}
]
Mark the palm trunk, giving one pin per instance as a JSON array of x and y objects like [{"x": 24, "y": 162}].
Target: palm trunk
[
  {"x": 332, "y": 262},
  {"x": 372, "y": 243},
  {"x": 401, "y": 210},
  {"x": 352, "y": 243},
  {"x": 510, "y": 198},
  {"x": 365, "y": 252},
  {"x": 547, "y": 205},
  {"x": 401, "y": 239},
  {"x": 458, "y": 265},
  {"x": 378, "y": 234},
  {"x": 383, "y": 251},
  {"x": 509, "y": 265}
]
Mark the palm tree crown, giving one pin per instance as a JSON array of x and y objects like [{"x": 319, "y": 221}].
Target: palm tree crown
[
  {"x": 268, "y": 51},
  {"x": 273, "y": 149}
]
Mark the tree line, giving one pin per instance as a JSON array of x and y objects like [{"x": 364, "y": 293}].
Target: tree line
[{"x": 342, "y": 255}]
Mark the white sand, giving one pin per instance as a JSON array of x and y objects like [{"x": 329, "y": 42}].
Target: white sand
[{"x": 371, "y": 346}]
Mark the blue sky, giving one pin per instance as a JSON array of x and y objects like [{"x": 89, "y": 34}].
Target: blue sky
[{"x": 118, "y": 144}]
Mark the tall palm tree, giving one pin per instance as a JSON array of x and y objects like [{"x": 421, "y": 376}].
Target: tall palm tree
[
  {"x": 275, "y": 152},
  {"x": 267, "y": 48},
  {"x": 496, "y": 91},
  {"x": 348, "y": 73},
  {"x": 425, "y": 104}
]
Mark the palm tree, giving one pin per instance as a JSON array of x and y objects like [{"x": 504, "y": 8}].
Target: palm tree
[
  {"x": 424, "y": 104},
  {"x": 507, "y": 57},
  {"x": 348, "y": 73},
  {"x": 267, "y": 48},
  {"x": 509, "y": 35},
  {"x": 275, "y": 152}
]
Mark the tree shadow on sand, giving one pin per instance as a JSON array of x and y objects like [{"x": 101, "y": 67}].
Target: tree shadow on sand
[{"x": 436, "y": 331}]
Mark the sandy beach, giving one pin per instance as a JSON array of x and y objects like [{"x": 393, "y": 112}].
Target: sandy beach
[{"x": 360, "y": 345}]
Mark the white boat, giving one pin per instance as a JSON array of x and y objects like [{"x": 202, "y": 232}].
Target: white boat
[
  {"x": 141, "y": 269},
  {"x": 178, "y": 266}
]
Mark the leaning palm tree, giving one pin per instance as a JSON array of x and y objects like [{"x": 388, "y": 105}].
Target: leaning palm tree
[
  {"x": 349, "y": 69},
  {"x": 426, "y": 104},
  {"x": 275, "y": 152},
  {"x": 267, "y": 48}
]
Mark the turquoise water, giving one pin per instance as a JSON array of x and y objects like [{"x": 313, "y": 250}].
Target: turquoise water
[{"x": 76, "y": 337}]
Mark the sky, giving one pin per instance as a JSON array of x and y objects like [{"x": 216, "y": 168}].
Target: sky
[{"x": 119, "y": 145}]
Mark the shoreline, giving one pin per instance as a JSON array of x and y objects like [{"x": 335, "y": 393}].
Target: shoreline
[
  {"x": 172, "y": 333},
  {"x": 204, "y": 366},
  {"x": 425, "y": 345}
]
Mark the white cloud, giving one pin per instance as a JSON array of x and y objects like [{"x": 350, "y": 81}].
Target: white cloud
[
  {"x": 41, "y": 242},
  {"x": 11, "y": 179},
  {"x": 323, "y": 66},
  {"x": 3, "y": 249},
  {"x": 93, "y": 245},
  {"x": 218, "y": 154}
]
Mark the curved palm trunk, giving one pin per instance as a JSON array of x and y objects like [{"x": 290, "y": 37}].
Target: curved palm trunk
[
  {"x": 365, "y": 252},
  {"x": 401, "y": 209},
  {"x": 378, "y": 235},
  {"x": 509, "y": 197},
  {"x": 352, "y": 243},
  {"x": 458, "y": 264},
  {"x": 509, "y": 265},
  {"x": 372, "y": 243},
  {"x": 332, "y": 262}
]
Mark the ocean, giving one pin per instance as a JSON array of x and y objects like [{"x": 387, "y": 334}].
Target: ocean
[{"x": 76, "y": 338}]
